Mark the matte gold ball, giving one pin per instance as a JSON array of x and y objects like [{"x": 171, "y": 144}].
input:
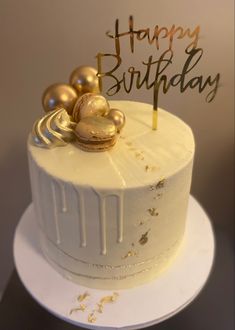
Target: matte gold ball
[
  {"x": 90, "y": 104},
  {"x": 85, "y": 80},
  {"x": 58, "y": 95},
  {"x": 118, "y": 117}
]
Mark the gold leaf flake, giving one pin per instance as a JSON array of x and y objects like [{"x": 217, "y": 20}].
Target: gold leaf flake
[
  {"x": 130, "y": 253},
  {"x": 128, "y": 143},
  {"x": 100, "y": 308},
  {"x": 105, "y": 300},
  {"x": 91, "y": 317},
  {"x": 139, "y": 155},
  {"x": 160, "y": 184},
  {"x": 144, "y": 238},
  {"x": 81, "y": 308},
  {"x": 158, "y": 196},
  {"x": 149, "y": 168},
  {"x": 109, "y": 299},
  {"x": 83, "y": 296},
  {"x": 153, "y": 212},
  {"x": 142, "y": 222}
]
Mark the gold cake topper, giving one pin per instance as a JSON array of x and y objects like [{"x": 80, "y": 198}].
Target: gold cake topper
[{"x": 157, "y": 66}]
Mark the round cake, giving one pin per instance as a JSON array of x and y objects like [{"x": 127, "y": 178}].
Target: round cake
[{"x": 115, "y": 219}]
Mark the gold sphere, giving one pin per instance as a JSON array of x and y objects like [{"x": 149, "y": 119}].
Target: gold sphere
[
  {"x": 85, "y": 80},
  {"x": 118, "y": 117},
  {"x": 88, "y": 105},
  {"x": 59, "y": 95}
]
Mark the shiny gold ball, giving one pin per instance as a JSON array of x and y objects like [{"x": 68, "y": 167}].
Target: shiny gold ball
[
  {"x": 118, "y": 117},
  {"x": 85, "y": 80},
  {"x": 59, "y": 95},
  {"x": 90, "y": 104}
]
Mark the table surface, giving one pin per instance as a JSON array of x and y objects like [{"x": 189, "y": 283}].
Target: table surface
[{"x": 213, "y": 309}]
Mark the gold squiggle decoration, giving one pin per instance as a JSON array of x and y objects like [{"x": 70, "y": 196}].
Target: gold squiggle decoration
[{"x": 53, "y": 130}]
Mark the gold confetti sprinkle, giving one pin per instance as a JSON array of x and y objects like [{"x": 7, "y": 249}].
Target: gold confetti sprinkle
[
  {"x": 149, "y": 168},
  {"x": 83, "y": 296},
  {"x": 131, "y": 253},
  {"x": 109, "y": 299},
  {"x": 81, "y": 308},
  {"x": 144, "y": 238},
  {"x": 91, "y": 317},
  {"x": 105, "y": 300},
  {"x": 142, "y": 222},
  {"x": 100, "y": 308},
  {"x": 160, "y": 184},
  {"x": 153, "y": 212},
  {"x": 139, "y": 155},
  {"x": 158, "y": 196}
]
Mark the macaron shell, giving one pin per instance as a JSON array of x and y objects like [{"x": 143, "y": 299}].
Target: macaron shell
[
  {"x": 96, "y": 147},
  {"x": 96, "y": 134},
  {"x": 95, "y": 129},
  {"x": 90, "y": 104}
]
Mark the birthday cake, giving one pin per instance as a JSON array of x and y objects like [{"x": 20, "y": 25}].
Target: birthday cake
[{"x": 110, "y": 194}]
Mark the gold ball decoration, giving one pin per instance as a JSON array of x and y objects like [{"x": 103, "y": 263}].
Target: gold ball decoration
[
  {"x": 118, "y": 117},
  {"x": 85, "y": 80},
  {"x": 90, "y": 104},
  {"x": 59, "y": 95}
]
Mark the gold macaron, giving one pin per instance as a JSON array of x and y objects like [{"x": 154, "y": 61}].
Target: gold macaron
[
  {"x": 90, "y": 104},
  {"x": 95, "y": 133}
]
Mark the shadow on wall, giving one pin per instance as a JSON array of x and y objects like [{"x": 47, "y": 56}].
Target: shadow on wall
[{"x": 15, "y": 196}]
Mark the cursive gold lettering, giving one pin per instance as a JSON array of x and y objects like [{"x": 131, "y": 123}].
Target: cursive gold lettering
[{"x": 171, "y": 33}]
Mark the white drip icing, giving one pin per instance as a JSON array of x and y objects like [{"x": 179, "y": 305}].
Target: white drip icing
[
  {"x": 63, "y": 199},
  {"x": 35, "y": 177},
  {"x": 55, "y": 211},
  {"x": 102, "y": 212},
  {"x": 103, "y": 216},
  {"x": 120, "y": 217},
  {"x": 81, "y": 218},
  {"x": 39, "y": 195}
]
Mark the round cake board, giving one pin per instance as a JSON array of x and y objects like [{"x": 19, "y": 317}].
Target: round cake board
[{"x": 134, "y": 308}]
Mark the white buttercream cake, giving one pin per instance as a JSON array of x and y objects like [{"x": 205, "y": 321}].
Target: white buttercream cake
[{"x": 115, "y": 219}]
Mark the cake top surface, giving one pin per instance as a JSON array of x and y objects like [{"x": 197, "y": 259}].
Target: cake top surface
[{"x": 140, "y": 157}]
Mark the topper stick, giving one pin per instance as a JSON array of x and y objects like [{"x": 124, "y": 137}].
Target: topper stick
[
  {"x": 155, "y": 119},
  {"x": 155, "y": 106}
]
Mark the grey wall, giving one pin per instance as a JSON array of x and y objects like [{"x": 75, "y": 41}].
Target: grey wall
[{"x": 42, "y": 41}]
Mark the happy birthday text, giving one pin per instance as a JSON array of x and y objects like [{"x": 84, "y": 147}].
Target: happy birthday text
[{"x": 156, "y": 66}]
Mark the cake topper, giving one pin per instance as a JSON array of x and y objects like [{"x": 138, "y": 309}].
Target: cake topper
[
  {"x": 77, "y": 112},
  {"x": 156, "y": 67}
]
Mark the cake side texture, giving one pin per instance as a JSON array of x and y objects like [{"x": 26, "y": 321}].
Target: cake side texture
[{"x": 115, "y": 219}]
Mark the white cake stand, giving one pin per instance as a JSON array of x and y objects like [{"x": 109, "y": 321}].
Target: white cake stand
[{"x": 135, "y": 308}]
